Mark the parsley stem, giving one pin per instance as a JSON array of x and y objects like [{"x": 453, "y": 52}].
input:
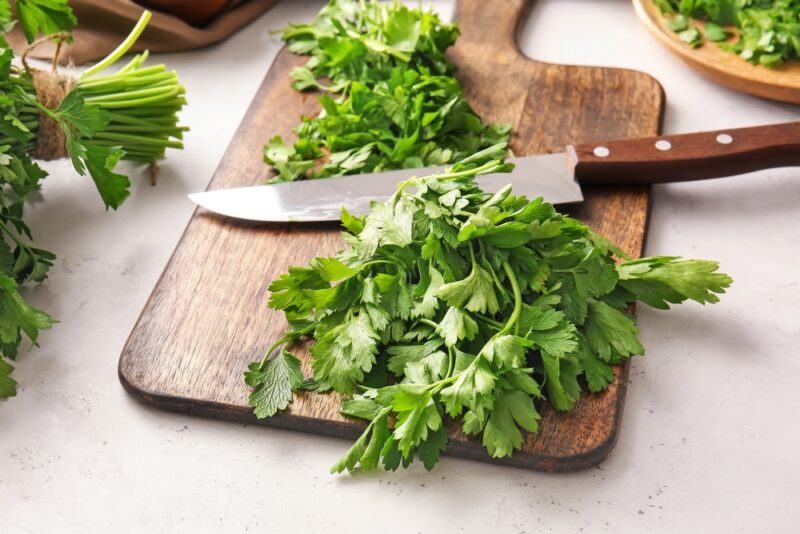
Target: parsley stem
[
  {"x": 485, "y": 168},
  {"x": 451, "y": 361},
  {"x": 376, "y": 262},
  {"x": 429, "y": 323},
  {"x": 472, "y": 255},
  {"x": 151, "y": 91},
  {"x": 512, "y": 321},
  {"x": 490, "y": 321},
  {"x": 123, "y": 47},
  {"x": 138, "y": 139},
  {"x": 282, "y": 341},
  {"x": 21, "y": 244}
]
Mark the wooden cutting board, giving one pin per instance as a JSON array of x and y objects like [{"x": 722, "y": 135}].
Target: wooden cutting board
[{"x": 207, "y": 317}]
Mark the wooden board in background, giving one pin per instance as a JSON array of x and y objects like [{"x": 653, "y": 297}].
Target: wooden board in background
[
  {"x": 780, "y": 83},
  {"x": 207, "y": 317}
]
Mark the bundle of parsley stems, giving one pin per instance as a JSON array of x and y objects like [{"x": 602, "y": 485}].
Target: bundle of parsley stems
[{"x": 142, "y": 103}]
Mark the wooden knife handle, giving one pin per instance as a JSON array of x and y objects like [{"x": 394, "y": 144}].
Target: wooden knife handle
[{"x": 679, "y": 158}]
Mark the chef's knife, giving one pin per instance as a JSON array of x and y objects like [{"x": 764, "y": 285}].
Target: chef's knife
[{"x": 556, "y": 177}]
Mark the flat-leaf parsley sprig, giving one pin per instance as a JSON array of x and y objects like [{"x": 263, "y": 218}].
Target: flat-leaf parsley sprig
[{"x": 450, "y": 302}]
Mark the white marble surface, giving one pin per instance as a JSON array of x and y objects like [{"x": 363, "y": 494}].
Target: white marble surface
[{"x": 712, "y": 424}]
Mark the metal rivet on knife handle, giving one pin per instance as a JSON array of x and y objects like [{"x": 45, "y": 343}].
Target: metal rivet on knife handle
[{"x": 694, "y": 156}]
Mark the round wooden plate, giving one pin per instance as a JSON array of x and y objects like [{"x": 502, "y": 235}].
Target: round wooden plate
[{"x": 781, "y": 83}]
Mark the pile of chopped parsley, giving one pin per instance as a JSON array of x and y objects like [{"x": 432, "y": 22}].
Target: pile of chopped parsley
[
  {"x": 391, "y": 99},
  {"x": 764, "y": 32}
]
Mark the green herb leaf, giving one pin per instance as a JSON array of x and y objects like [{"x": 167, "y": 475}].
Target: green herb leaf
[
  {"x": 660, "y": 280},
  {"x": 715, "y": 32},
  {"x": 678, "y": 23},
  {"x": 611, "y": 333},
  {"x": 8, "y": 386},
  {"x": 345, "y": 353},
  {"x": 692, "y": 37},
  {"x": 44, "y": 17},
  {"x": 476, "y": 292},
  {"x": 273, "y": 383},
  {"x": 512, "y": 410}
]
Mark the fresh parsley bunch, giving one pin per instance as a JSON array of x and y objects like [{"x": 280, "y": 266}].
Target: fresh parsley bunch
[
  {"x": 768, "y": 30},
  {"x": 452, "y": 303},
  {"x": 399, "y": 104},
  {"x": 131, "y": 114}
]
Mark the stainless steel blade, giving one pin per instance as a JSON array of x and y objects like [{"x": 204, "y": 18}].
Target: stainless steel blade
[{"x": 547, "y": 175}]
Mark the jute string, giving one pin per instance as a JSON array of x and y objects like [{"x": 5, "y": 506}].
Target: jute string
[{"x": 51, "y": 89}]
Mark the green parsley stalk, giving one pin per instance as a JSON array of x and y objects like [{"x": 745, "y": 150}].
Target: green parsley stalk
[{"x": 452, "y": 304}]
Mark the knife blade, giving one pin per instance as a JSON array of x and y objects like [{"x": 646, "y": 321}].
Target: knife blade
[
  {"x": 322, "y": 200},
  {"x": 556, "y": 177}
]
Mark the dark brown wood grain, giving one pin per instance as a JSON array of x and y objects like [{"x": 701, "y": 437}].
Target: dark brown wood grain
[
  {"x": 693, "y": 156},
  {"x": 207, "y": 317}
]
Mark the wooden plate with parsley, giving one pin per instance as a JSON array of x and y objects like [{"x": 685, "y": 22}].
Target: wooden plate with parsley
[{"x": 756, "y": 53}]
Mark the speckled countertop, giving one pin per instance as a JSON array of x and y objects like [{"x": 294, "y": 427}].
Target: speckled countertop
[{"x": 712, "y": 423}]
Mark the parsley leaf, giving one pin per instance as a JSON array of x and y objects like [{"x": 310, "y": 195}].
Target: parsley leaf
[
  {"x": 366, "y": 451},
  {"x": 346, "y": 352},
  {"x": 44, "y": 17},
  {"x": 611, "y": 333},
  {"x": 417, "y": 414},
  {"x": 476, "y": 292},
  {"x": 80, "y": 122},
  {"x": 273, "y": 383},
  {"x": 430, "y": 449},
  {"x": 715, "y": 32},
  {"x": 8, "y": 386},
  {"x": 660, "y": 280},
  {"x": 512, "y": 410},
  {"x": 17, "y": 317},
  {"x": 457, "y": 325}
]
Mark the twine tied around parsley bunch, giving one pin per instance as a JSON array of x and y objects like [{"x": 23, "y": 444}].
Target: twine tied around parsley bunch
[{"x": 51, "y": 87}]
